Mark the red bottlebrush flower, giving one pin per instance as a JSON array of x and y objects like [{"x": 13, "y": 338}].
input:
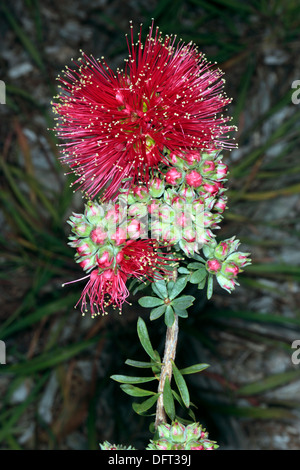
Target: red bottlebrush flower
[
  {"x": 118, "y": 125},
  {"x": 141, "y": 259},
  {"x": 107, "y": 283},
  {"x": 104, "y": 289}
]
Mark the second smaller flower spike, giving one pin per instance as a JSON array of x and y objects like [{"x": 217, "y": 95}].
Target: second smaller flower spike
[
  {"x": 111, "y": 254},
  {"x": 117, "y": 127}
]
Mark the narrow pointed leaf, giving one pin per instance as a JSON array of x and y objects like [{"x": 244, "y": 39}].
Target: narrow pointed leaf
[
  {"x": 131, "y": 380},
  {"x": 149, "y": 302},
  {"x": 168, "y": 400},
  {"x": 135, "y": 391},
  {"x": 181, "y": 384},
  {"x": 194, "y": 369},
  {"x": 140, "y": 408},
  {"x": 144, "y": 338},
  {"x": 140, "y": 364},
  {"x": 210, "y": 286}
]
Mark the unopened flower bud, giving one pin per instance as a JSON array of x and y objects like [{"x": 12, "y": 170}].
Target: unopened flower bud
[
  {"x": 220, "y": 204},
  {"x": 222, "y": 171},
  {"x": 192, "y": 157},
  {"x": 134, "y": 229},
  {"x": 230, "y": 270},
  {"x": 104, "y": 260},
  {"x": 119, "y": 237},
  {"x": 173, "y": 176},
  {"x": 193, "y": 179},
  {"x": 208, "y": 166},
  {"x": 212, "y": 189},
  {"x": 141, "y": 193},
  {"x": 94, "y": 212},
  {"x": 213, "y": 266},
  {"x": 156, "y": 187},
  {"x": 222, "y": 249},
  {"x": 98, "y": 236}
]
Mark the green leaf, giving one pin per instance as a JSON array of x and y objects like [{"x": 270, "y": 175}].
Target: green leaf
[
  {"x": 201, "y": 284},
  {"x": 183, "y": 270},
  {"x": 196, "y": 266},
  {"x": 210, "y": 286},
  {"x": 157, "y": 312},
  {"x": 169, "y": 316},
  {"x": 183, "y": 302},
  {"x": 160, "y": 289},
  {"x": 194, "y": 369},
  {"x": 181, "y": 313},
  {"x": 135, "y": 391},
  {"x": 181, "y": 384},
  {"x": 149, "y": 302},
  {"x": 144, "y": 338},
  {"x": 178, "y": 287},
  {"x": 140, "y": 364},
  {"x": 140, "y": 408},
  {"x": 168, "y": 400},
  {"x": 131, "y": 380},
  {"x": 199, "y": 258},
  {"x": 198, "y": 276}
]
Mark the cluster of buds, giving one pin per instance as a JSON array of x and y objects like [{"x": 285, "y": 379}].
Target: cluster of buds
[
  {"x": 225, "y": 262},
  {"x": 181, "y": 211},
  {"x": 176, "y": 436}
]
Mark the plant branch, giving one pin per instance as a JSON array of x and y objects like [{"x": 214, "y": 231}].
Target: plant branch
[{"x": 166, "y": 371}]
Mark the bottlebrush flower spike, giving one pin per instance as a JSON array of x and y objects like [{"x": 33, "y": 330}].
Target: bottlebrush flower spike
[
  {"x": 117, "y": 126},
  {"x": 112, "y": 255}
]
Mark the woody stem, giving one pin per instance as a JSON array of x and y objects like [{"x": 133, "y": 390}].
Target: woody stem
[{"x": 166, "y": 371}]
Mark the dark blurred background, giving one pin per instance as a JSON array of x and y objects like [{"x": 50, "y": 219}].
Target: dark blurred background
[{"x": 55, "y": 388}]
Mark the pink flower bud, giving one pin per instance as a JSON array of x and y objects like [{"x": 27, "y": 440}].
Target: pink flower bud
[
  {"x": 222, "y": 170},
  {"x": 119, "y": 236},
  {"x": 192, "y": 157},
  {"x": 105, "y": 260},
  {"x": 232, "y": 269},
  {"x": 140, "y": 192},
  {"x": 220, "y": 205},
  {"x": 193, "y": 179},
  {"x": 213, "y": 265},
  {"x": 212, "y": 189},
  {"x": 222, "y": 250},
  {"x": 134, "y": 229},
  {"x": 113, "y": 213},
  {"x": 153, "y": 207},
  {"x": 173, "y": 176},
  {"x": 119, "y": 257},
  {"x": 84, "y": 249},
  {"x": 208, "y": 166},
  {"x": 87, "y": 263},
  {"x": 98, "y": 236},
  {"x": 156, "y": 187}
]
